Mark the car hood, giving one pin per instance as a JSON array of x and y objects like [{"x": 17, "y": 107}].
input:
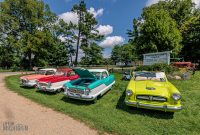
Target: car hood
[
  {"x": 33, "y": 77},
  {"x": 56, "y": 78},
  {"x": 151, "y": 88},
  {"x": 84, "y": 73}
]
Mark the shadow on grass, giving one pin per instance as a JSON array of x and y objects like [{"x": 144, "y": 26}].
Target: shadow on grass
[
  {"x": 46, "y": 92},
  {"x": 25, "y": 87},
  {"x": 140, "y": 111},
  {"x": 76, "y": 101}
]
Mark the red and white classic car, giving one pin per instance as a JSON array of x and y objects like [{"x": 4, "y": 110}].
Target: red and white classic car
[
  {"x": 56, "y": 82},
  {"x": 31, "y": 80}
]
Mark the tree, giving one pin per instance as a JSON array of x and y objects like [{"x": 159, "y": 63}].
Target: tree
[
  {"x": 191, "y": 42},
  {"x": 127, "y": 53},
  {"x": 179, "y": 10},
  {"x": 29, "y": 24},
  {"x": 163, "y": 33},
  {"x": 116, "y": 54},
  {"x": 59, "y": 55},
  {"x": 157, "y": 32},
  {"x": 87, "y": 34},
  {"x": 124, "y": 53},
  {"x": 94, "y": 55},
  {"x": 67, "y": 37}
]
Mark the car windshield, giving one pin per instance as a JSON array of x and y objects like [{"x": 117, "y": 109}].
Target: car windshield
[
  {"x": 41, "y": 72},
  {"x": 141, "y": 76},
  {"x": 60, "y": 73},
  {"x": 97, "y": 74}
]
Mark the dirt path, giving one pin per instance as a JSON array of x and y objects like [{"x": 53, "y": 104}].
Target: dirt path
[{"x": 34, "y": 119}]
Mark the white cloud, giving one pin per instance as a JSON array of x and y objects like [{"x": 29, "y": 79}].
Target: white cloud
[
  {"x": 69, "y": 17},
  {"x": 111, "y": 41},
  {"x": 96, "y": 13},
  {"x": 73, "y": 17},
  {"x": 197, "y": 2},
  {"x": 105, "y": 29},
  {"x": 151, "y": 2}
]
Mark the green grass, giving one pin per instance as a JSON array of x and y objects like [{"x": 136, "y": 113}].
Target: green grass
[
  {"x": 110, "y": 114},
  {"x": 5, "y": 70}
]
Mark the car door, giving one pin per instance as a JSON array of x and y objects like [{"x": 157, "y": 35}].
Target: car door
[
  {"x": 105, "y": 78},
  {"x": 108, "y": 79}
]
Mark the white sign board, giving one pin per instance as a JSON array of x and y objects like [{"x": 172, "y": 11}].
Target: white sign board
[{"x": 159, "y": 57}]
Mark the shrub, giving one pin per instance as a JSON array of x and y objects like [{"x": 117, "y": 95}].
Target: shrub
[{"x": 158, "y": 67}]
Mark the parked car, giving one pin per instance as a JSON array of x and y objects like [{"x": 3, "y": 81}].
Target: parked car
[
  {"x": 31, "y": 80},
  {"x": 184, "y": 66},
  {"x": 152, "y": 90},
  {"x": 56, "y": 82},
  {"x": 91, "y": 84},
  {"x": 126, "y": 76}
]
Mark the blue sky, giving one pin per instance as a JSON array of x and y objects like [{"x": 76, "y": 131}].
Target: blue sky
[{"x": 117, "y": 14}]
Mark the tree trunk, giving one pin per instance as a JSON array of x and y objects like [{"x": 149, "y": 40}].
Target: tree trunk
[
  {"x": 30, "y": 60},
  {"x": 77, "y": 48}
]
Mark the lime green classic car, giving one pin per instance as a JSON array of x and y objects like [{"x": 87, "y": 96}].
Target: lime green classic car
[{"x": 152, "y": 90}]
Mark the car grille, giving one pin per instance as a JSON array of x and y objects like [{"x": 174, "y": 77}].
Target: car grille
[
  {"x": 42, "y": 84},
  {"x": 76, "y": 91},
  {"x": 151, "y": 98}
]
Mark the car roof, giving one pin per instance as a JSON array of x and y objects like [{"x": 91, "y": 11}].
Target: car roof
[
  {"x": 97, "y": 70},
  {"x": 64, "y": 69},
  {"x": 45, "y": 69}
]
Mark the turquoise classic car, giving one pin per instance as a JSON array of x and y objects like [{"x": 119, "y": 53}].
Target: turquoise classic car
[{"x": 91, "y": 84}]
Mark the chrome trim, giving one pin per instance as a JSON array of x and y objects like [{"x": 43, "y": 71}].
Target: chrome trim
[
  {"x": 164, "y": 107},
  {"x": 151, "y": 98}
]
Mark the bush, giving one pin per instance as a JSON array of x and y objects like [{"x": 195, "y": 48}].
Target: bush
[{"x": 158, "y": 67}]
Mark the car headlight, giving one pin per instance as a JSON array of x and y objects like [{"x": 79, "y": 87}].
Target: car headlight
[
  {"x": 87, "y": 91},
  {"x": 176, "y": 96},
  {"x": 49, "y": 84},
  {"x": 65, "y": 87},
  {"x": 129, "y": 93}
]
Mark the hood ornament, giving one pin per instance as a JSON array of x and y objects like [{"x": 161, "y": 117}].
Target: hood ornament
[{"x": 150, "y": 88}]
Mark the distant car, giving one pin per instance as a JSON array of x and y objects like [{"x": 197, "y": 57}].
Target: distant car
[
  {"x": 31, "y": 80},
  {"x": 126, "y": 76},
  {"x": 91, "y": 84},
  {"x": 184, "y": 66},
  {"x": 56, "y": 82},
  {"x": 152, "y": 90}
]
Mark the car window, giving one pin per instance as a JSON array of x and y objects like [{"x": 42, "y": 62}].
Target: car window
[
  {"x": 104, "y": 75},
  {"x": 141, "y": 76},
  {"x": 41, "y": 72},
  {"x": 72, "y": 73},
  {"x": 59, "y": 73},
  {"x": 97, "y": 74},
  {"x": 50, "y": 72}
]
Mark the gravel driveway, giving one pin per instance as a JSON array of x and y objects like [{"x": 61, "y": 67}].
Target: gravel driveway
[{"x": 20, "y": 116}]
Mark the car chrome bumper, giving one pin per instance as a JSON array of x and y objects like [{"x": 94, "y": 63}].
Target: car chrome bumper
[
  {"x": 28, "y": 84},
  {"x": 156, "y": 107},
  {"x": 47, "y": 89},
  {"x": 80, "y": 97}
]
